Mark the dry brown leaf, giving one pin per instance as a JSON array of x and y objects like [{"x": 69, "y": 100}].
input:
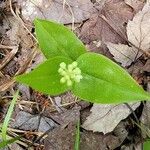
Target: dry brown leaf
[
  {"x": 146, "y": 67},
  {"x": 138, "y": 30},
  {"x": 145, "y": 118},
  {"x": 107, "y": 25},
  {"x": 58, "y": 10},
  {"x": 104, "y": 118},
  {"x": 123, "y": 53},
  {"x": 65, "y": 133}
]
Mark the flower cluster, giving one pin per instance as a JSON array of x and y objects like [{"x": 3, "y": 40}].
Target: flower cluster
[{"x": 70, "y": 73}]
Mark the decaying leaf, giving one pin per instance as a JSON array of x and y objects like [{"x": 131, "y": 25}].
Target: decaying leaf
[
  {"x": 8, "y": 58},
  {"x": 104, "y": 118},
  {"x": 107, "y": 25},
  {"x": 138, "y": 30},
  {"x": 65, "y": 133},
  {"x": 123, "y": 53},
  {"x": 135, "y": 4},
  {"x": 145, "y": 118},
  {"x": 146, "y": 67},
  {"x": 27, "y": 121},
  {"x": 58, "y": 10}
]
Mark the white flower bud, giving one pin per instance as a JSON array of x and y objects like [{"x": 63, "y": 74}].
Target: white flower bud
[
  {"x": 74, "y": 64},
  {"x": 63, "y": 80},
  {"x": 77, "y": 71},
  {"x": 60, "y": 70},
  {"x": 63, "y": 65},
  {"x": 69, "y": 83},
  {"x": 70, "y": 73},
  {"x": 70, "y": 67},
  {"x": 67, "y": 77},
  {"x": 78, "y": 78}
]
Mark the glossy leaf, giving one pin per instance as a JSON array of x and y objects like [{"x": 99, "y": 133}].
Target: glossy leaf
[
  {"x": 106, "y": 82},
  {"x": 57, "y": 40},
  {"x": 45, "y": 78},
  {"x": 146, "y": 145}
]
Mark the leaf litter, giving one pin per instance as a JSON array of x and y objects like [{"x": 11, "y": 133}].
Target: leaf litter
[
  {"x": 59, "y": 10},
  {"x": 104, "y": 118}
]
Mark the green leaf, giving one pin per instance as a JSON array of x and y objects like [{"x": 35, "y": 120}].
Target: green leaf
[
  {"x": 77, "y": 140},
  {"x": 45, "y": 78},
  {"x": 106, "y": 82},
  {"x": 57, "y": 40},
  {"x": 146, "y": 145},
  {"x": 8, "y": 115},
  {"x": 10, "y": 141}
]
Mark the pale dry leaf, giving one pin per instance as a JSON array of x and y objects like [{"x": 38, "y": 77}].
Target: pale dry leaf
[
  {"x": 138, "y": 30},
  {"x": 104, "y": 118},
  {"x": 13, "y": 32},
  {"x": 123, "y": 53},
  {"x": 135, "y": 4},
  {"x": 26, "y": 121},
  {"x": 64, "y": 11}
]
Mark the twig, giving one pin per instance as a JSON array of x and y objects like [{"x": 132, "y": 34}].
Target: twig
[
  {"x": 135, "y": 116},
  {"x": 6, "y": 47},
  {"x": 19, "y": 19}
]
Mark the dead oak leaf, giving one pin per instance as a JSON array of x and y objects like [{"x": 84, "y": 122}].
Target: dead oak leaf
[
  {"x": 123, "y": 53},
  {"x": 104, "y": 118},
  {"x": 138, "y": 30}
]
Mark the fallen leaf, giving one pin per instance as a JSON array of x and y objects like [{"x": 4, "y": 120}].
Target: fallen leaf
[
  {"x": 65, "y": 133},
  {"x": 132, "y": 146},
  {"x": 138, "y": 30},
  {"x": 61, "y": 138},
  {"x": 146, "y": 67},
  {"x": 135, "y": 4},
  {"x": 58, "y": 10},
  {"x": 26, "y": 121},
  {"x": 145, "y": 117},
  {"x": 123, "y": 53},
  {"x": 104, "y": 118},
  {"x": 92, "y": 141},
  {"x": 107, "y": 25}
]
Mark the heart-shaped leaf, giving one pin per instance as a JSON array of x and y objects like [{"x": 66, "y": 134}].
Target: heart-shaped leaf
[
  {"x": 57, "y": 40},
  {"x": 106, "y": 82},
  {"x": 45, "y": 78}
]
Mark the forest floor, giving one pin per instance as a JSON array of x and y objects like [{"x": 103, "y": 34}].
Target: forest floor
[{"x": 50, "y": 123}]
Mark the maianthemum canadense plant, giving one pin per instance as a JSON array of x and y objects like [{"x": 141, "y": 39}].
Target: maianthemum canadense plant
[{"x": 69, "y": 67}]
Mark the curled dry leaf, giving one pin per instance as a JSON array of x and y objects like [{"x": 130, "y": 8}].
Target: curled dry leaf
[
  {"x": 138, "y": 30},
  {"x": 123, "y": 53},
  {"x": 104, "y": 118}
]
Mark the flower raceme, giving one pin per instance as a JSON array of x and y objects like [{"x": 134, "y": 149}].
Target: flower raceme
[{"x": 70, "y": 73}]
